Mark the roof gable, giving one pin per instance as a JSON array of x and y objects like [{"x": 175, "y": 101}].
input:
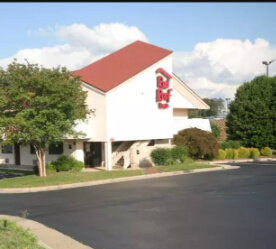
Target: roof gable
[
  {"x": 189, "y": 94},
  {"x": 121, "y": 65}
]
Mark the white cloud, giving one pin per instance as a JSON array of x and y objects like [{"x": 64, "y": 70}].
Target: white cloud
[
  {"x": 82, "y": 45},
  {"x": 217, "y": 68},
  {"x": 212, "y": 69}
]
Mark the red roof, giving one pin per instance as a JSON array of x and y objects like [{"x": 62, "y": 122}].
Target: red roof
[{"x": 121, "y": 65}]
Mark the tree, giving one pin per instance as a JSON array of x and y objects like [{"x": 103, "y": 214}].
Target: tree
[
  {"x": 216, "y": 108},
  {"x": 39, "y": 106},
  {"x": 252, "y": 116},
  {"x": 215, "y": 130}
]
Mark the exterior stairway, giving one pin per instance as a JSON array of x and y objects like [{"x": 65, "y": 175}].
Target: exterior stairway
[{"x": 121, "y": 155}]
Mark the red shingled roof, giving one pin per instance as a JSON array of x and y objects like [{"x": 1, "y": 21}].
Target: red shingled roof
[{"x": 121, "y": 65}]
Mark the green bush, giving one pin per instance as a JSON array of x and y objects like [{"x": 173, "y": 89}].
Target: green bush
[
  {"x": 236, "y": 154},
  {"x": 244, "y": 152},
  {"x": 187, "y": 160},
  {"x": 215, "y": 130},
  {"x": 161, "y": 156},
  {"x": 266, "y": 151},
  {"x": 178, "y": 152},
  {"x": 229, "y": 153},
  {"x": 230, "y": 144},
  {"x": 221, "y": 154},
  {"x": 254, "y": 152},
  {"x": 200, "y": 144},
  {"x": 50, "y": 168},
  {"x": 67, "y": 163}
]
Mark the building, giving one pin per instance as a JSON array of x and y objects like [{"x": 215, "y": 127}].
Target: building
[{"x": 138, "y": 104}]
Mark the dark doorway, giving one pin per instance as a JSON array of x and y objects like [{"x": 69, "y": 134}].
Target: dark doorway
[
  {"x": 17, "y": 154},
  {"x": 92, "y": 154}
]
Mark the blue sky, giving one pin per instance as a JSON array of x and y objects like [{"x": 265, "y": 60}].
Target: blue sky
[{"x": 175, "y": 26}]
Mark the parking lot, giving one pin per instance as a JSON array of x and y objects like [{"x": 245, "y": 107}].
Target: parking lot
[{"x": 214, "y": 210}]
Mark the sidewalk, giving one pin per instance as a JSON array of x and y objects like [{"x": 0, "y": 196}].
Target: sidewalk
[{"x": 47, "y": 237}]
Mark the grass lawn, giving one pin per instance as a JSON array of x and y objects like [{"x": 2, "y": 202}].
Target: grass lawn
[
  {"x": 187, "y": 166},
  {"x": 15, "y": 237},
  {"x": 75, "y": 177},
  {"x": 64, "y": 178}
]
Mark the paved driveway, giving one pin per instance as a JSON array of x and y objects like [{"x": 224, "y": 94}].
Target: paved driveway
[{"x": 232, "y": 209}]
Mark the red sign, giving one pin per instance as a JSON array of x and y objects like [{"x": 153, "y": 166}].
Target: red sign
[{"x": 163, "y": 94}]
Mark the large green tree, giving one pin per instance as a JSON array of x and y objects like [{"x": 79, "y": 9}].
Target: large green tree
[
  {"x": 216, "y": 109},
  {"x": 252, "y": 116},
  {"x": 39, "y": 106}
]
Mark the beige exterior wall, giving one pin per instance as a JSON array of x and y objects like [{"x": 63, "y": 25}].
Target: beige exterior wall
[
  {"x": 140, "y": 156},
  {"x": 96, "y": 123},
  {"x": 180, "y": 112},
  {"x": 26, "y": 158}
]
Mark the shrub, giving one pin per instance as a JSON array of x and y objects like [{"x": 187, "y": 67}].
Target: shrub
[
  {"x": 210, "y": 156},
  {"x": 244, "y": 152},
  {"x": 200, "y": 144},
  {"x": 67, "y": 163},
  {"x": 221, "y": 154},
  {"x": 266, "y": 151},
  {"x": 230, "y": 144},
  {"x": 35, "y": 169},
  {"x": 215, "y": 130},
  {"x": 160, "y": 156},
  {"x": 229, "y": 153},
  {"x": 187, "y": 160},
  {"x": 178, "y": 152},
  {"x": 50, "y": 168},
  {"x": 236, "y": 154},
  {"x": 254, "y": 153}
]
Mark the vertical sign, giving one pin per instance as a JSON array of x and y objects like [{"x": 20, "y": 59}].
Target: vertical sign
[{"x": 163, "y": 92}]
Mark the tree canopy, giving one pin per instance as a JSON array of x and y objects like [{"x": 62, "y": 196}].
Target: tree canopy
[
  {"x": 39, "y": 106},
  {"x": 252, "y": 116}
]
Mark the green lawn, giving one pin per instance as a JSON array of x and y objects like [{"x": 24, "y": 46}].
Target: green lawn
[
  {"x": 188, "y": 166},
  {"x": 75, "y": 177},
  {"x": 15, "y": 237},
  {"x": 64, "y": 178}
]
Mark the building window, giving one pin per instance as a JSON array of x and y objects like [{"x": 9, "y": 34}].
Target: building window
[
  {"x": 32, "y": 149},
  {"x": 56, "y": 149},
  {"x": 7, "y": 149}
]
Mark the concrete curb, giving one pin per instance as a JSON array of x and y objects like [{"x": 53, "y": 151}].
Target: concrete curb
[
  {"x": 243, "y": 160},
  {"x": 124, "y": 179},
  {"x": 47, "y": 237}
]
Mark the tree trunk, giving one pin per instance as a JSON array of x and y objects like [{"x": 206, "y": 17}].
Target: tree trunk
[{"x": 40, "y": 154}]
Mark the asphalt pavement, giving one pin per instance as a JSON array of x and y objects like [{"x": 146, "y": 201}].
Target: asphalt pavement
[{"x": 212, "y": 210}]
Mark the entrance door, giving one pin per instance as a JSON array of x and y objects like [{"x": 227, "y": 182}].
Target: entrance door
[
  {"x": 93, "y": 154},
  {"x": 17, "y": 153}
]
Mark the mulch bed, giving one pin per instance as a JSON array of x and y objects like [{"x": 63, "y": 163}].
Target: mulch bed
[{"x": 150, "y": 170}]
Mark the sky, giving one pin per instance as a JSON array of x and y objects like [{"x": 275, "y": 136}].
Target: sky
[{"x": 216, "y": 46}]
